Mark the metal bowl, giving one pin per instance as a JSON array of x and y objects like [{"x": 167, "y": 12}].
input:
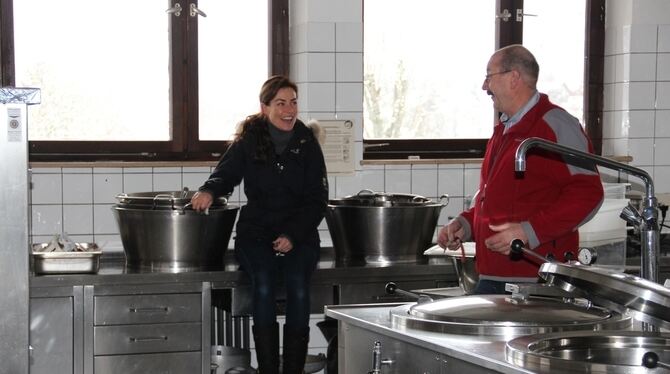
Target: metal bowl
[{"x": 464, "y": 264}]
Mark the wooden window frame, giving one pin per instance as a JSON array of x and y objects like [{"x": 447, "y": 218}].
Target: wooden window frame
[
  {"x": 184, "y": 144},
  {"x": 507, "y": 33}
]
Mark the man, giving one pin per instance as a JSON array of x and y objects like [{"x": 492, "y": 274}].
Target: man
[{"x": 546, "y": 204}]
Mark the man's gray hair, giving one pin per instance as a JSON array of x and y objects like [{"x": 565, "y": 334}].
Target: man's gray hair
[{"x": 517, "y": 57}]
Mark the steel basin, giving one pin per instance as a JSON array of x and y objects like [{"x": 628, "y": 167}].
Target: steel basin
[
  {"x": 381, "y": 228},
  {"x": 160, "y": 231}
]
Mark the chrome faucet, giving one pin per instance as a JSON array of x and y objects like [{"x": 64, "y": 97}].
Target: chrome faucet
[{"x": 646, "y": 219}]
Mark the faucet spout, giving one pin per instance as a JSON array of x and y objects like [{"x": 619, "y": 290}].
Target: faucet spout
[
  {"x": 574, "y": 154},
  {"x": 649, "y": 228}
]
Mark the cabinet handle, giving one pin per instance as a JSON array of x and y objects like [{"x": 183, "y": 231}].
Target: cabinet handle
[
  {"x": 147, "y": 338},
  {"x": 162, "y": 309}
]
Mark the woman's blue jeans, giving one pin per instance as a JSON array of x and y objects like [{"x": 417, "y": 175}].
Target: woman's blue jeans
[{"x": 267, "y": 271}]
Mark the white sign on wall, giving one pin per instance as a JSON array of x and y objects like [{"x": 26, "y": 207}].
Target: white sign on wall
[{"x": 338, "y": 146}]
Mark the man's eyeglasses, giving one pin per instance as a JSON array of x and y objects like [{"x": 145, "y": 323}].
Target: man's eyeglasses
[{"x": 487, "y": 77}]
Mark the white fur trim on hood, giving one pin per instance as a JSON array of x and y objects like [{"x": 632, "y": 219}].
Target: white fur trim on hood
[{"x": 318, "y": 131}]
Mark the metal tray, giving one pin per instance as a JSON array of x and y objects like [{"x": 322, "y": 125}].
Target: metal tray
[{"x": 84, "y": 260}]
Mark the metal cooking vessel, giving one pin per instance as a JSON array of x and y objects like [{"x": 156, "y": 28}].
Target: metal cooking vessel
[
  {"x": 607, "y": 351},
  {"x": 647, "y": 301},
  {"x": 373, "y": 228},
  {"x": 159, "y": 230},
  {"x": 588, "y": 352},
  {"x": 464, "y": 264}
]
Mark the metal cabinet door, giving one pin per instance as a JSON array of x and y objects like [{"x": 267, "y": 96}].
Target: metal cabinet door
[
  {"x": 52, "y": 335},
  {"x": 355, "y": 353},
  {"x": 173, "y": 363}
]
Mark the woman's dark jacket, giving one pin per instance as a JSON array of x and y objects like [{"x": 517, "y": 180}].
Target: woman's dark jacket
[{"x": 286, "y": 194}]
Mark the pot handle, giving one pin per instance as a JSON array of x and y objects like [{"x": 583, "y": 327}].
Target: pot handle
[
  {"x": 188, "y": 205},
  {"x": 444, "y": 199},
  {"x": 366, "y": 192},
  {"x": 160, "y": 197},
  {"x": 518, "y": 249},
  {"x": 391, "y": 288}
]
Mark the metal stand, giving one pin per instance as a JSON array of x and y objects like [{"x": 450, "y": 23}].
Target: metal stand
[{"x": 229, "y": 330}]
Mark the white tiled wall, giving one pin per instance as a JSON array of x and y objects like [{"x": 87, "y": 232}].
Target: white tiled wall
[
  {"x": 79, "y": 201},
  {"x": 636, "y": 118}
]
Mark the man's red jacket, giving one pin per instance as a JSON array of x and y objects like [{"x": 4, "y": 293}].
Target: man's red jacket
[{"x": 551, "y": 199}]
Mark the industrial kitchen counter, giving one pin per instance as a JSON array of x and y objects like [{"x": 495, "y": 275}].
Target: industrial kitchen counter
[
  {"x": 114, "y": 272},
  {"x": 122, "y": 318},
  {"x": 412, "y": 350}
]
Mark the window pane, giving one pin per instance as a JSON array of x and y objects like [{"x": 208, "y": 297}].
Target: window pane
[
  {"x": 102, "y": 68},
  {"x": 558, "y": 23},
  {"x": 232, "y": 62},
  {"x": 424, "y": 66}
]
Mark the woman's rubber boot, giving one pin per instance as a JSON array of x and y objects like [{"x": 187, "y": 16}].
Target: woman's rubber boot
[
  {"x": 266, "y": 339},
  {"x": 295, "y": 350}
]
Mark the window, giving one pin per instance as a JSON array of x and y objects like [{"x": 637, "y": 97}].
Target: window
[
  {"x": 98, "y": 81},
  {"x": 561, "y": 69},
  {"x": 140, "y": 80},
  {"x": 423, "y": 79}
]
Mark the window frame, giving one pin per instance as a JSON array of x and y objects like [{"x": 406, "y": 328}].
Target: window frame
[
  {"x": 507, "y": 33},
  {"x": 184, "y": 144}
]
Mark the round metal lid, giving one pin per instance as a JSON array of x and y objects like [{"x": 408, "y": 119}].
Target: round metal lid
[
  {"x": 162, "y": 200},
  {"x": 381, "y": 199},
  {"x": 588, "y": 352},
  {"x": 504, "y": 315},
  {"x": 644, "y": 300}
]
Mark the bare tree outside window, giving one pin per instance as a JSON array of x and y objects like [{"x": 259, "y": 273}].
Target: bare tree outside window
[{"x": 424, "y": 63}]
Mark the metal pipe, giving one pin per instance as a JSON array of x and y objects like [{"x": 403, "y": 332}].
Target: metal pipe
[{"x": 649, "y": 228}]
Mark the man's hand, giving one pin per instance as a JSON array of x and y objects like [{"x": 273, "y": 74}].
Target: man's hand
[
  {"x": 450, "y": 235},
  {"x": 502, "y": 239}
]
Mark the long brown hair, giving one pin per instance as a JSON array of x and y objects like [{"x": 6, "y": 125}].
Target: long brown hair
[{"x": 257, "y": 123}]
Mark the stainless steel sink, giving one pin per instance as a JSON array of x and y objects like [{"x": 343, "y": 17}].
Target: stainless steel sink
[{"x": 588, "y": 352}]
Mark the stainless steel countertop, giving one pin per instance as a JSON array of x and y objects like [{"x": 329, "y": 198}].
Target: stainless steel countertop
[
  {"x": 113, "y": 271},
  {"x": 484, "y": 351}
]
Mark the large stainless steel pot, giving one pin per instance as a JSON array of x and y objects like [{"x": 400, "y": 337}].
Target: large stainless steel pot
[
  {"x": 372, "y": 228},
  {"x": 606, "y": 351},
  {"x": 159, "y": 230},
  {"x": 590, "y": 352}
]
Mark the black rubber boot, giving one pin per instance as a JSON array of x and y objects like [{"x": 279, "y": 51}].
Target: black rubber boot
[
  {"x": 295, "y": 350},
  {"x": 267, "y": 348}
]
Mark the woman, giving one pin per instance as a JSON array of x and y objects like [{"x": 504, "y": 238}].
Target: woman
[{"x": 285, "y": 182}]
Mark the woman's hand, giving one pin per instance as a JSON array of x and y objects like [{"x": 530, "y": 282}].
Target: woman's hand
[
  {"x": 201, "y": 201},
  {"x": 282, "y": 244}
]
